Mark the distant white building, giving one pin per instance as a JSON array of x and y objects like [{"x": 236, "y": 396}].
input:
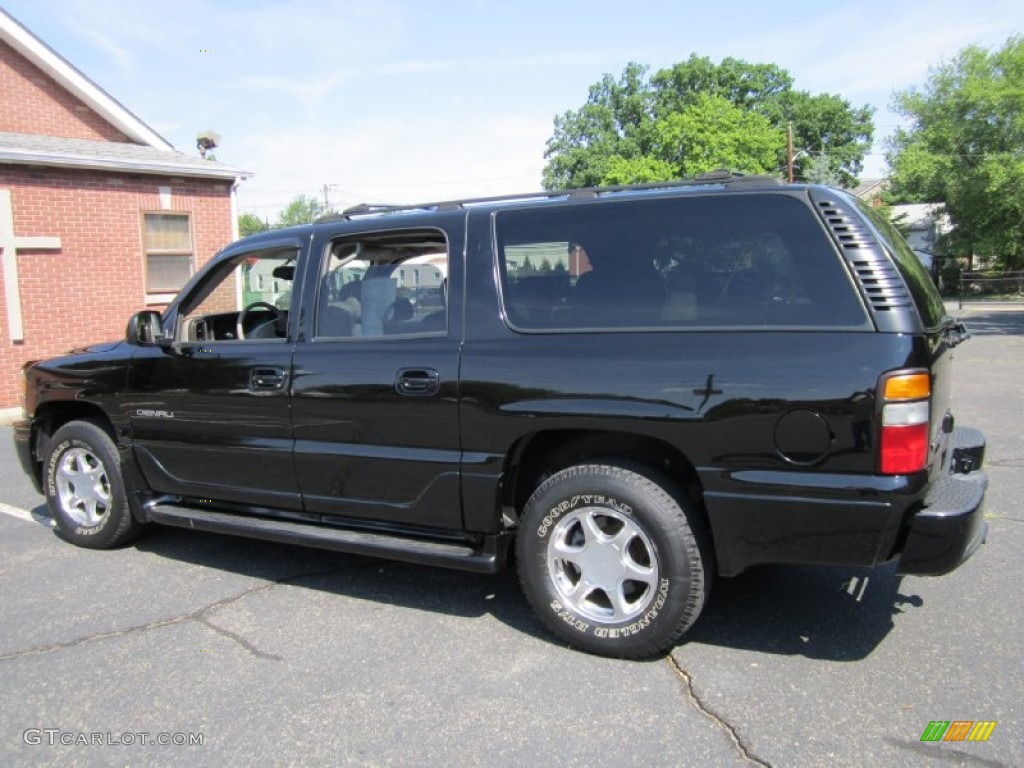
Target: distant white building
[{"x": 922, "y": 224}]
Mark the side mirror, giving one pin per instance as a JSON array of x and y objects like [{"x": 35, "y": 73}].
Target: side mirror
[{"x": 145, "y": 329}]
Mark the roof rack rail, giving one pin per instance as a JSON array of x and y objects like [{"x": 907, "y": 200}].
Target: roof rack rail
[
  {"x": 372, "y": 209},
  {"x": 734, "y": 177},
  {"x": 713, "y": 177}
]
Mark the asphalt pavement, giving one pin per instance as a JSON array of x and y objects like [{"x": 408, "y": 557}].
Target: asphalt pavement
[{"x": 239, "y": 652}]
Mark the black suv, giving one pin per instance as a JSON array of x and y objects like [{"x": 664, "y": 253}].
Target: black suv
[{"x": 640, "y": 387}]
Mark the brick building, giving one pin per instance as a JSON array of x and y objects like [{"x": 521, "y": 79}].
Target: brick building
[{"x": 99, "y": 215}]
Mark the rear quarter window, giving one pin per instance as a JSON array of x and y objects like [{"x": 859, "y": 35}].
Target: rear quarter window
[
  {"x": 755, "y": 261},
  {"x": 926, "y": 296}
]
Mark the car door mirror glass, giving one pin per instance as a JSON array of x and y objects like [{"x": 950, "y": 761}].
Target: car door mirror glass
[{"x": 145, "y": 329}]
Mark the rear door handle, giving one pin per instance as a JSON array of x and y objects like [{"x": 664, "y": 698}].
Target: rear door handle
[
  {"x": 418, "y": 382},
  {"x": 265, "y": 379}
]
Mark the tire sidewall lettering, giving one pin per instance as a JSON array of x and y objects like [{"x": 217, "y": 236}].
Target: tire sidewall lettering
[
  {"x": 634, "y": 627},
  {"x": 555, "y": 513},
  {"x": 637, "y": 626},
  {"x": 569, "y": 617},
  {"x": 51, "y": 467}
]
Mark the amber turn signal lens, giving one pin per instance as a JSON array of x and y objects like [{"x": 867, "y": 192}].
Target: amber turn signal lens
[{"x": 908, "y": 386}]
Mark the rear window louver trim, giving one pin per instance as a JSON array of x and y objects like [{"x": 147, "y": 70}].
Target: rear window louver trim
[
  {"x": 882, "y": 285},
  {"x": 876, "y": 275}
]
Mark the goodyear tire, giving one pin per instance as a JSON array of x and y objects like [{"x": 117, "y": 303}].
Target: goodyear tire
[
  {"x": 84, "y": 489},
  {"x": 613, "y": 560}
]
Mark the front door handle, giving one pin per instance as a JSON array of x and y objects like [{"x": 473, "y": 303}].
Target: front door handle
[
  {"x": 418, "y": 382},
  {"x": 265, "y": 379}
]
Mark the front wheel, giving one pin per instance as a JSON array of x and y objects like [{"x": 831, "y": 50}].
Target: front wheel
[
  {"x": 613, "y": 559},
  {"x": 84, "y": 489}
]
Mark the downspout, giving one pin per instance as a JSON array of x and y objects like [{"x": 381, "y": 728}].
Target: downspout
[{"x": 234, "y": 207}]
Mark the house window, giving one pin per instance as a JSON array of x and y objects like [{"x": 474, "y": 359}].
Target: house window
[{"x": 167, "y": 241}]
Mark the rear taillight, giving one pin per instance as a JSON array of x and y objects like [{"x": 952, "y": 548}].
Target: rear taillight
[{"x": 906, "y": 410}]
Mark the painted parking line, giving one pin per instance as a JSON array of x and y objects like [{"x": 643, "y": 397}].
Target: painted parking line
[{"x": 23, "y": 514}]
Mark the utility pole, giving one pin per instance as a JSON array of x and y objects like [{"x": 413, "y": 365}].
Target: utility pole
[{"x": 789, "y": 151}]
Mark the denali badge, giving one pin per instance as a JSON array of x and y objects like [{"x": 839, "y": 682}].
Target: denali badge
[{"x": 147, "y": 413}]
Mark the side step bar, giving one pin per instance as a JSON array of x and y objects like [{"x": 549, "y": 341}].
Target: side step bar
[{"x": 489, "y": 558}]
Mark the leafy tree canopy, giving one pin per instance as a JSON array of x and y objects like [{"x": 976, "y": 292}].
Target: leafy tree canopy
[
  {"x": 965, "y": 148},
  {"x": 250, "y": 224},
  {"x": 698, "y": 116},
  {"x": 303, "y": 209}
]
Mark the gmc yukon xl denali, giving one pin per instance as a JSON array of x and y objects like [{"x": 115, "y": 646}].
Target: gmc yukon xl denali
[{"x": 633, "y": 389}]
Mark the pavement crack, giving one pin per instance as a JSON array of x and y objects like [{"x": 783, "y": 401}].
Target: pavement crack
[
  {"x": 238, "y": 639},
  {"x": 198, "y": 616},
  {"x": 713, "y": 716},
  {"x": 40, "y": 649}
]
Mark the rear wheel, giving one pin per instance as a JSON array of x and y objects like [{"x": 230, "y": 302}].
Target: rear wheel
[
  {"x": 613, "y": 559},
  {"x": 84, "y": 489}
]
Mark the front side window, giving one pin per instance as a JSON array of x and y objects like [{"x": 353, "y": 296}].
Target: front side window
[
  {"x": 702, "y": 261},
  {"x": 247, "y": 298},
  {"x": 384, "y": 284},
  {"x": 167, "y": 244}
]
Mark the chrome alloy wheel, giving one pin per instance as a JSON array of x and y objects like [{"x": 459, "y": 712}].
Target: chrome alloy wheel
[
  {"x": 83, "y": 487},
  {"x": 603, "y": 564}
]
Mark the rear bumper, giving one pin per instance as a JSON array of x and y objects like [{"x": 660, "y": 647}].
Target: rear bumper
[
  {"x": 814, "y": 518},
  {"x": 951, "y": 525}
]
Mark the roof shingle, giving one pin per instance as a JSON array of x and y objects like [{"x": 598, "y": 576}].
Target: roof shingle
[{"x": 31, "y": 149}]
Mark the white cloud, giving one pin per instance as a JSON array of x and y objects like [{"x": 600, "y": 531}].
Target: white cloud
[
  {"x": 432, "y": 159},
  {"x": 853, "y": 52},
  {"x": 303, "y": 89},
  {"x": 106, "y": 43}
]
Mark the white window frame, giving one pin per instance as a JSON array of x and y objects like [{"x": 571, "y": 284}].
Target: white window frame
[{"x": 163, "y": 294}]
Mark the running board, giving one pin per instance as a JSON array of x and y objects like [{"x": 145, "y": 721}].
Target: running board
[{"x": 489, "y": 558}]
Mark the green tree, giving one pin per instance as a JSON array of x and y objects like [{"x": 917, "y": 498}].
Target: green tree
[
  {"x": 754, "y": 87},
  {"x": 614, "y": 123},
  {"x": 303, "y": 209},
  {"x": 713, "y": 132},
  {"x": 638, "y": 129},
  {"x": 818, "y": 169},
  {"x": 250, "y": 224},
  {"x": 830, "y": 136},
  {"x": 965, "y": 148}
]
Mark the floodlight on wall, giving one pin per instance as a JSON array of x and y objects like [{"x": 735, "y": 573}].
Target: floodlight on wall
[{"x": 206, "y": 141}]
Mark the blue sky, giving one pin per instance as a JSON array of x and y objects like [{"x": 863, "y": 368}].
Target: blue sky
[{"x": 405, "y": 100}]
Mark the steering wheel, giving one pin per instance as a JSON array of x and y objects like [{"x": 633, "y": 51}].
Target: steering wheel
[{"x": 255, "y": 305}]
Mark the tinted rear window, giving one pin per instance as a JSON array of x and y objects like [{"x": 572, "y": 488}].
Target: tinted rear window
[{"x": 729, "y": 260}]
